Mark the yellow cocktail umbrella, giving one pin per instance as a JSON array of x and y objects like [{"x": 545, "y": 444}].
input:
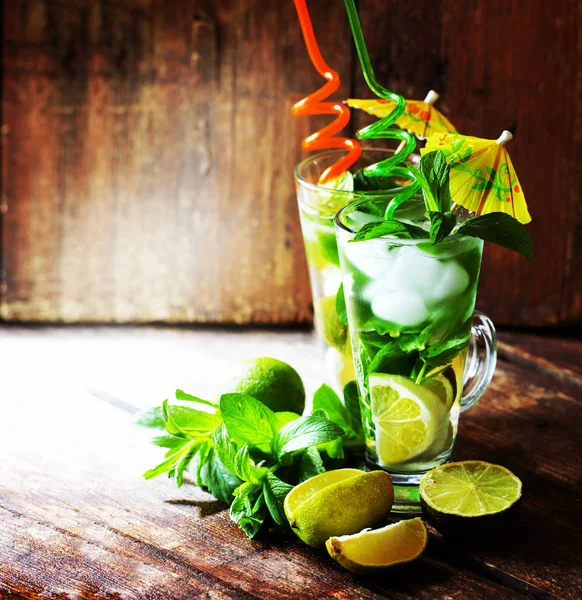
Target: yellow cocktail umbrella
[
  {"x": 482, "y": 177},
  {"x": 420, "y": 118}
]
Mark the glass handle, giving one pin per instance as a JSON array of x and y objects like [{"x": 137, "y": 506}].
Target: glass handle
[{"x": 481, "y": 360}]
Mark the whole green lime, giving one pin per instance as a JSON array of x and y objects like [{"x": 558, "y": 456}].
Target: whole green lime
[{"x": 273, "y": 382}]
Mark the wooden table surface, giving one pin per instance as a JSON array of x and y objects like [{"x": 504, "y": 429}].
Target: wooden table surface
[{"x": 78, "y": 521}]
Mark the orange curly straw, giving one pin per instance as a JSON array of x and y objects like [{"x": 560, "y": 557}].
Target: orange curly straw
[{"x": 313, "y": 105}]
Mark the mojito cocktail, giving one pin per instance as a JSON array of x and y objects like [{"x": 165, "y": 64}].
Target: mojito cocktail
[{"x": 410, "y": 310}]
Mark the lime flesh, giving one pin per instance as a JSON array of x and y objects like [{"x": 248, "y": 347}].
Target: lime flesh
[
  {"x": 459, "y": 495},
  {"x": 408, "y": 418},
  {"x": 389, "y": 546}
]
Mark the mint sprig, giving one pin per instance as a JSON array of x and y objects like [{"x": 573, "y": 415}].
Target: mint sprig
[
  {"x": 248, "y": 456},
  {"x": 501, "y": 229},
  {"x": 433, "y": 175},
  {"x": 436, "y": 172}
]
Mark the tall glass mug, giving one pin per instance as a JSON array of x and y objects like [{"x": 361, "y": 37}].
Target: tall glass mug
[
  {"x": 317, "y": 208},
  {"x": 421, "y": 354}
]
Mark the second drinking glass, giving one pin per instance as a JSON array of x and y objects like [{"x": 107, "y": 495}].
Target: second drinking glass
[{"x": 317, "y": 207}]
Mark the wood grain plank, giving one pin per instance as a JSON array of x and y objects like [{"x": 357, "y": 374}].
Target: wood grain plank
[
  {"x": 560, "y": 358},
  {"x": 148, "y": 153},
  {"x": 503, "y": 64},
  {"x": 148, "y": 149},
  {"x": 530, "y": 422}
]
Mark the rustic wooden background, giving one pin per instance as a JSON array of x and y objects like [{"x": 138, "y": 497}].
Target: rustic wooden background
[{"x": 148, "y": 148}]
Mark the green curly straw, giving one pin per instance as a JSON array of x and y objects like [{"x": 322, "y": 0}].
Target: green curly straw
[{"x": 380, "y": 129}]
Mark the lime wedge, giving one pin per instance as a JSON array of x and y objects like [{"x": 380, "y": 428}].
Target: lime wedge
[
  {"x": 371, "y": 550},
  {"x": 408, "y": 418},
  {"x": 468, "y": 496}
]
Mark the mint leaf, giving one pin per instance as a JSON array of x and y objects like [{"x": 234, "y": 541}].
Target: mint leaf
[
  {"x": 181, "y": 395},
  {"x": 320, "y": 412},
  {"x": 326, "y": 399},
  {"x": 352, "y": 404},
  {"x": 441, "y": 224},
  {"x": 501, "y": 229},
  {"x": 152, "y": 418},
  {"x": 182, "y": 464},
  {"x": 436, "y": 171},
  {"x": 284, "y": 417},
  {"x": 220, "y": 482},
  {"x": 335, "y": 448},
  {"x": 370, "y": 231},
  {"x": 442, "y": 354},
  {"x": 340, "y": 306},
  {"x": 275, "y": 492},
  {"x": 173, "y": 458},
  {"x": 310, "y": 464},
  {"x": 302, "y": 433},
  {"x": 248, "y": 508},
  {"x": 392, "y": 359},
  {"x": 398, "y": 229},
  {"x": 168, "y": 441},
  {"x": 245, "y": 468},
  {"x": 248, "y": 421},
  {"x": 188, "y": 422},
  {"x": 224, "y": 447},
  {"x": 198, "y": 461},
  {"x": 415, "y": 232}
]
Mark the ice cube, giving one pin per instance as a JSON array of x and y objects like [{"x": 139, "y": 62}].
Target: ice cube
[
  {"x": 379, "y": 287},
  {"x": 371, "y": 258},
  {"x": 331, "y": 278},
  {"x": 400, "y": 307},
  {"x": 453, "y": 281},
  {"x": 358, "y": 219},
  {"x": 416, "y": 271},
  {"x": 348, "y": 286}
]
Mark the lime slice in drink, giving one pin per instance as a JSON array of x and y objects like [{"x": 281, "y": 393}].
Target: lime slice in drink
[
  {"x": 442, "y": 387},
  {"x": 468, "y": 497},
  {"x": 371, "y": 550},
  {"x": 408, "y": 417},
  {"x": 442, "y": 442}
]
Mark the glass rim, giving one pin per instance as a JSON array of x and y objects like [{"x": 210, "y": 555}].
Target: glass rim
[
  {"x": 387, "y": 238},
  {"x": 339, "y": 151}
]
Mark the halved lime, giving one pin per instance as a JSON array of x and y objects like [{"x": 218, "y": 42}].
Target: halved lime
[
  {"x": 312, "y": 486},
  {"x": 468, "y": 496},
  {"x": 371, "y": 550},
  {"x": 339, "y": 502},
  {"x": 408, "y": 417}
]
